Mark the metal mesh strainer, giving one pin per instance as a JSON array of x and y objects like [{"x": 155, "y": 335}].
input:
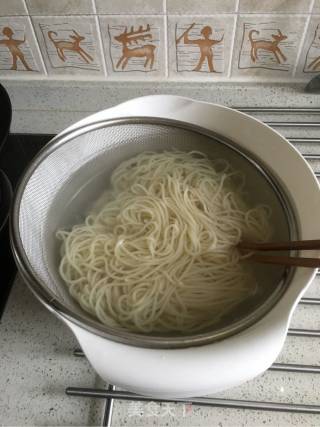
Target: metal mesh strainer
[{"x": 72, "y": 171}]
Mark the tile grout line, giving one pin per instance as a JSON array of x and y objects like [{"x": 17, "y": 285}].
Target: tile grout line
[
  {"x": 97, "y": 21},
  {"x": 94, "y": 7},
  {"x": 233, "y": 39},
  {"x": 312, "y": 6},
  {"x": 237, "y": 7},
  {"x": 166, "y": 39},
  {"x": 36, "y": 39}
]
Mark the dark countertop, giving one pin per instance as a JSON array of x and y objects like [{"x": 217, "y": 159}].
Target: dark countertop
[{"x": 16, "y": 154}]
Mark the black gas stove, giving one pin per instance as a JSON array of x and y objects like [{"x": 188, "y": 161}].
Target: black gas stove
[{"x": 16, "y": 154}]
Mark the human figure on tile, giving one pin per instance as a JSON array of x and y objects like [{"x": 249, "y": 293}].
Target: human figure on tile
[
  {"x": 13, "y": 46},
  {"x": 205, "y": 44}
]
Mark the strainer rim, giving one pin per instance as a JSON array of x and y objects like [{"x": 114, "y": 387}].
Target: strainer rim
[{"x": 39, "y": 289}]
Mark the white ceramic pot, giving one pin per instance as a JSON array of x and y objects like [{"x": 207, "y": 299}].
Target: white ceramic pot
[{"x": 213, "y": 367}]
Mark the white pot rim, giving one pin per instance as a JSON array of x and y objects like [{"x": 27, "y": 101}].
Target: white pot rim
[{"x": 226, "y": 363}]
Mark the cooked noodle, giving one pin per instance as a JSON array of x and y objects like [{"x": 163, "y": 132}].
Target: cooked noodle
[{"x": 157, "y": 253}]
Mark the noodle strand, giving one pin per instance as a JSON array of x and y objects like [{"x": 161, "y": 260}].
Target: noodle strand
[{"x": 157, "y": 252}]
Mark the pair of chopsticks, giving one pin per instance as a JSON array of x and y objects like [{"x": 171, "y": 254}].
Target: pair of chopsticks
[{"x": 281, "y": 246}]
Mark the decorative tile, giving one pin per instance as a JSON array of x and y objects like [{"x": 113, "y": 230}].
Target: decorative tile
[
  {"x": 60, "y": 7},
  {"x": 18, "y": 48},
  {"x": 69, "y": 45},
  {"x": 134, "y": 46},
  {"x": 203, "y": 7},
  {"x": 12, "y": 7},
  {"x": 309, "y": 61},
  {"x": 267, "y": 45},
  {"x": 128, "y": 7},
  {"x": 275, "y": 6},
  {"x": 200, "y": 46}
]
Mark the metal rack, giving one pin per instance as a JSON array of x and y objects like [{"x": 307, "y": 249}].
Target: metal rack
[{"x": 110, "y": 393}]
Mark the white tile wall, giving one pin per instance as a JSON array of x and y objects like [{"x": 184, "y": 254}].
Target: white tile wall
[
  {"x": 205, "y": 7},
  {"x": 275, "y": 6},
  {"x": 93, "y": 52},
  {"x": 316, "y": 6},
  {"x": 130, "y": 7},
  {"x": 12, "y": 7},
  {"x": 60, "y": 7}
]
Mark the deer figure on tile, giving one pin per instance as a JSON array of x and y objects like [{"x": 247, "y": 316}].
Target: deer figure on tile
[
  {"x": 267, "y": 45},
  {"x": 127, "y": 38},
  {"x": 70, "y": 45}
]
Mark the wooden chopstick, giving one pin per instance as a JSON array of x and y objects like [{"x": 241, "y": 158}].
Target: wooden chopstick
[
  {"x": 280, "y": 246},
  {"x": 285, "y": 260}
]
